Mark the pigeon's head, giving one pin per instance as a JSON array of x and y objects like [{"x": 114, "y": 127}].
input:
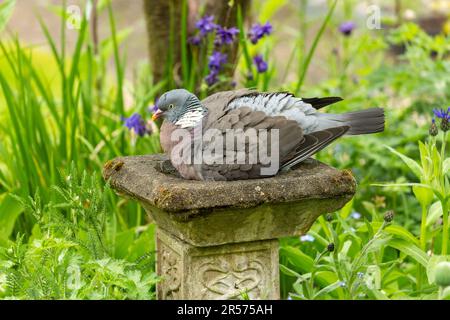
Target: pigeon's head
[{"x": 179, "y": 105}]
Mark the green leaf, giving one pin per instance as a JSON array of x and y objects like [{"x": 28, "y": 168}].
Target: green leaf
[
  {"x": 270, "y": 8},
  {"x": 434, "y": 213},
  {"x": 347, "y": 209},
  {"x": 413, "y": 165},
  {"x": 378, "y": 295},
  {"x": 446, "y": 166},
  {"x": 10, "y": 209},
  {"x": 327, "y": 289},
  {"x": 303, "y": 262},
  {"x": 394, "y": 230},
  {"x": 410, "y": 250},
  {"x": 289, "y": 272},
  {"x": 423, "y": 195},
  {"x": 6, "y": 10}
]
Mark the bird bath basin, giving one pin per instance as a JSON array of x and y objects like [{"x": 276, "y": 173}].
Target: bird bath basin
[{"x": 217, "y": 239}]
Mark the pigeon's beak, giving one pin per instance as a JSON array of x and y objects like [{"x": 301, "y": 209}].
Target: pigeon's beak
[{"x": 157, "y": 115}]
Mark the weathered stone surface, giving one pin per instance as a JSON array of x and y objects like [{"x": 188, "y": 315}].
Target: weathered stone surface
[
  {"x": 146, "y": 179},
  {"x": 219, "y": 272},
  {"x": 214, "y": 213}
]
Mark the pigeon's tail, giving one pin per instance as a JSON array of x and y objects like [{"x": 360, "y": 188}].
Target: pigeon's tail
[{"x": 360, "y": 122}]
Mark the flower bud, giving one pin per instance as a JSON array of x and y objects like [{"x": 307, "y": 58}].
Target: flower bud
[
  {"x": 330, "y": 247},
  {"x": 445, "y": 125},
  {"x": 442, "y": 274},
  {"x": 389, "y": 216},
  {"x": 433, "y": 129}
]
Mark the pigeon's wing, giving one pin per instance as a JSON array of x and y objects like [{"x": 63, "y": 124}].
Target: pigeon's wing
[
  {"x": 319, "y": 103},
  {"x": 245, "y": 135},
  {"x": 217, "y": 104},
  {"x": 313, "y": 143}
]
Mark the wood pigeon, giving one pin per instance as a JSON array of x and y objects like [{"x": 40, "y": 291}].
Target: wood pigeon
[{"x": 301, "y": 130}]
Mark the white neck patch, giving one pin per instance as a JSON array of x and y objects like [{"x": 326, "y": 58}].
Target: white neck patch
[{"x": 190, "y": 119}]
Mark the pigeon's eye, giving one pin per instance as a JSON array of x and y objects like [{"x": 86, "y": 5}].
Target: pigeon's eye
[{"x": 171, "y": 106}]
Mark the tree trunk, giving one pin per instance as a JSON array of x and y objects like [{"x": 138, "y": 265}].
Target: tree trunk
[{"x": 164, "y": 16}]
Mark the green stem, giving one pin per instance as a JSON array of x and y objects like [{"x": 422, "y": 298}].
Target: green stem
[
  {"x": 423, "y": 246},
  {"x": 313, "y": 48},
  {"x": 423, "y": 229},
  {"x": 444, "y": 226}
]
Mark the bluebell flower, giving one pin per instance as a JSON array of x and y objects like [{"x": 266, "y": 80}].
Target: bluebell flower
[
  {"x": 206, "y": 25},
  {"x": 442, "y": 114},
  {"x": 195, "y": 40},
  {"x": 225, "y": 35},
  {"x": 136, "y": 124},
  {"x": 216, "y": 60},
  {"x": 261, "y": 65},
  {"x": 211, "y": 78},
  {"x": 356, "y": 215},
  {"x": 342, "y": 284},
  {"x": 307, "y": 238},
  {"x": 257, "y": 31},
  {"x": 346, "y": 28},
  {"x": 360, "y": 275}
]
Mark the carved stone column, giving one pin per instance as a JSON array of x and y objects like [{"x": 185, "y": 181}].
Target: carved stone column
[{"x": 218, "y": 240}]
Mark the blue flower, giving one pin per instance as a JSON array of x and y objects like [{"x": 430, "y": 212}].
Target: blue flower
[
  {"x": 307, "y": 238},
  {"x": 261, "y": 65},
  {"x": 216, "y": 60},
  {"x": 136, "y": 124},
  {"x": 195, "y": 40},
  {"x": 206, "y": 25},
  {"x": 257, "y": 31},
  {"x": 356, "y": 215},
  {"x": 153, "y": 108},
  {"x": 342, "y": 284},
  {"x": 211, "y": 78},
  {"x": 441, "y": 114},
  {"x": 225, "y": 35},
  {"x": 347, "y": 27},
  {"x": 360, "y": 275}
]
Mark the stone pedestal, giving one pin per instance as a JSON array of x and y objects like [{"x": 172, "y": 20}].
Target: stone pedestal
[{"x": 218, "y": 240}]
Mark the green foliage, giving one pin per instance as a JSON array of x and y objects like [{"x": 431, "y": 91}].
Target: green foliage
[{"x": 70, "y": 254}]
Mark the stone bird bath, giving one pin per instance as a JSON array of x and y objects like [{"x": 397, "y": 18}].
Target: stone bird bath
[{"x": 217, "y": 240}]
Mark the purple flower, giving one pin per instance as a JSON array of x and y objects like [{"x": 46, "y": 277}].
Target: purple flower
[
  {"x": 216, "y": 60},
  {"x": 211, "y": 78},
  {"x": 347, "y": 27},
  {"x": 307, "y": 238},
  {"x": 154, "y": 107},
  {"x": 225, "y": 35},
  {"x": 206, "y": 25},
  {"x": 136, "y": 123},
  {"x": 441, "y": 114},
  {"x": 257, "y": 31},
  {"x": 195, "y": 40},
  {"x": 261, "y": 65}
]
